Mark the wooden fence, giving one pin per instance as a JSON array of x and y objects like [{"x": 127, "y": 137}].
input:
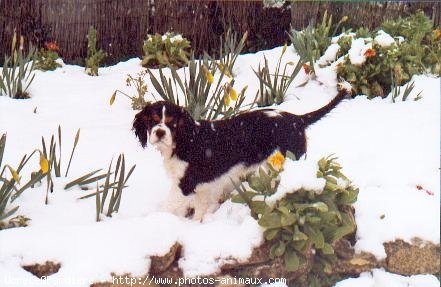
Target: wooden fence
[{"x": 122, "y": 25}]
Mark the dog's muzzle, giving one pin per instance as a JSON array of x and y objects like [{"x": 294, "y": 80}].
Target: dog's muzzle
[{"x": 161, "y": 135}]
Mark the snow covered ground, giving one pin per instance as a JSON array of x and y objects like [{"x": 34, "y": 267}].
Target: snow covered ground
[{"x": 387, "y": 149}]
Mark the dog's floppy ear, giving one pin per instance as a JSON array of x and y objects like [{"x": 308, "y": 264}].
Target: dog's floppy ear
[{"x": 140, "y": 125}]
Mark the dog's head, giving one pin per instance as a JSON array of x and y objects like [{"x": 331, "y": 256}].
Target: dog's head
[{"x": 161, "y": 123}]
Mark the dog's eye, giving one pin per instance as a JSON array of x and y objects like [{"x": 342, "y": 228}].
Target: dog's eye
[
  {"x": 156, "y": 118},
  {"x": 168, "y": 120}
]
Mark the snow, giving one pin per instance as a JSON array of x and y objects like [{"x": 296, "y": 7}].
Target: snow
[
  {"x": 387, "y": 150},
  {"x": 381, "y": 278},
  {"x": 383, "y": 39},
  {"x": 297, "y": 175},
  {"x": 329, "y": 55},
  {"x": 357, "y": 50}
]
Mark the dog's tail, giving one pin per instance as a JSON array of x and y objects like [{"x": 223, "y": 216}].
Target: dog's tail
[{"x": 344, "y": 89}]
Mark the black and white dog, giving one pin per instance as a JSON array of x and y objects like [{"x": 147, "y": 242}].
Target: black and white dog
[{"x": 202, "y": 157}]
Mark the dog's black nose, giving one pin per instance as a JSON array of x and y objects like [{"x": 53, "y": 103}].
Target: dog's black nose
[{"x": 160, "y": 133}]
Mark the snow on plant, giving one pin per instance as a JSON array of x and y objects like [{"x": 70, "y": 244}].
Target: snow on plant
[
  {"x": 204, "y": 97},
  {"x": 18, "y": 71},
  {"x": 46, "y": 57},
  {"x": 273, "y": 86},
  {"x": 94, "y": 56},
  {"x": 169, "y": 49},
  {"x": 400, "y": 49},
  {"x": 302, "y": 220},
  {"x": 138, "y": 82}
]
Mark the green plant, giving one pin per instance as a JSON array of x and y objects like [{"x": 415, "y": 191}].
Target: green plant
[
  {"x": 302, "y": 220},
  {"x": 8, "y": 187},
  {"x": 138, "y": 101},
  {"x": 396, "y": 91},
  {"x": 229, "y": 50},
  {"x": 273, "y": 86},
  {"x": 418, "y": 52},
  {"x": 94, "y": 56},
  {"x": 312, "y": 42},
  {"x": 18, "y": 71},
  {"x": 103, "y": 190},
  {"x": 46, "y": 57},
  {"x": 200, "y": 100},
  {"x": 169, "y": 49}
]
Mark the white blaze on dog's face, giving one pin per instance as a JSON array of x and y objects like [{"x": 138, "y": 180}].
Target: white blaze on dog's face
[
  {"x": 157, "y": 124},
  {"x": 160, "y": 135}
]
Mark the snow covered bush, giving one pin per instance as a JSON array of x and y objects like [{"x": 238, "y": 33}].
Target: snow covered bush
[
  {"x": 138, "y": 82},
  {"x": 204, "y": 97},
  {"x": 304, "y": 222},
  {"x": 18, "y": 71},
  {"x": 273, "y": 85},
  {"x": 94, "y": 56},
  {"x": 169, "y": 49},
  {"x": 46, "y": 57},
  {"x": 400, "y": 49}
]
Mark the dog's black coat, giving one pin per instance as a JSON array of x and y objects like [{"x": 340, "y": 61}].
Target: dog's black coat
[{"x": 211, "y": 148}]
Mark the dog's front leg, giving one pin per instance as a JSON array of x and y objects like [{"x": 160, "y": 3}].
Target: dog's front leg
[{"x": 177, "y": 203}]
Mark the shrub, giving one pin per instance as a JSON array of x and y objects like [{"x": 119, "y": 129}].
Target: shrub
[
  {"x": 94, "y": 56},
  {"x": 46, "y": 57},
  {"x": 200, "y": 101},
  {"x": 418, "y": 51},
  {"x": 169, "y": 49},
  {"x": 138, "y": 82},
  {"x": 303, "y": 219},
  {"x": 273, "y": 86},
  {"x": 18, "y": 71}
]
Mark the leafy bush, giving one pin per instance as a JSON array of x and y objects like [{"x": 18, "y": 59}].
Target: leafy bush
[
  {"x": 273, "y": 86},
  {"x": 303, "y": 219},
  {"x": 46, "y": 57},
  {"x": 18, "y": 71},
  {"x": 169, "y": 49},
  {"x": 200, "y": 101},
  {"x": 138, "y": 101},
  {"x": 418, "y": 51},
  {"x": 94, "y": 56}
]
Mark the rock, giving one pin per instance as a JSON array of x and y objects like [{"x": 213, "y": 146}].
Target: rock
[
  {"x": 159, "y": 264},
  {"x": 357, "y": 264},
  {"x": 46, "y": 269},
  {"x": 420, "y": 257}
]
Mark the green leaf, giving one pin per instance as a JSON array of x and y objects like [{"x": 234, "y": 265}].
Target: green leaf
[
  {"x": 292, "y": 261},
  {"x": 278, "y": 249},
  {"x": 327, "y": 249},
  {"x": 80, "y": 179},
  {"x": 270, "y": 234},
  {"x": 270, "y": 220},
  {"x": 316, "y": 236}
]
